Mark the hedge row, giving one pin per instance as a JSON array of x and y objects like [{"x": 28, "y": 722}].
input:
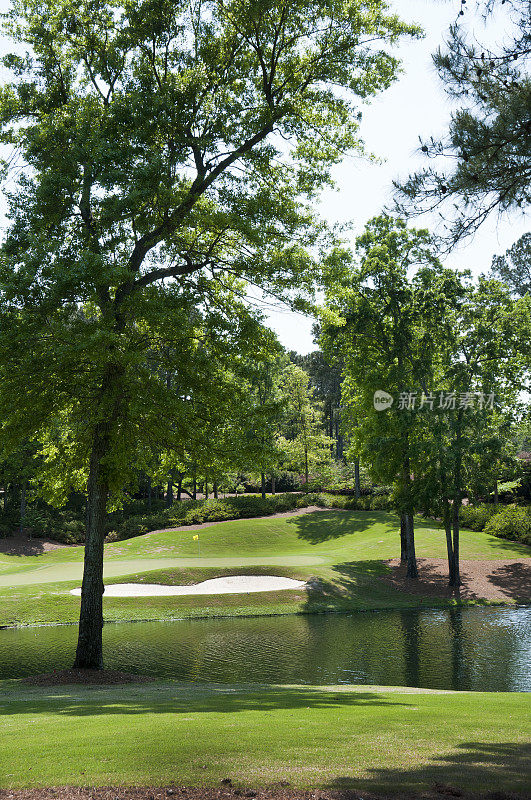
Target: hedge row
[
  {"x": 511, "y": 522},
  {"x": 507, "y": 522},
  {"x": 246, "y": 506}
]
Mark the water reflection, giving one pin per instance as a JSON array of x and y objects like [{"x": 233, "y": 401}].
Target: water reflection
[{"x": 459, "y": 648}]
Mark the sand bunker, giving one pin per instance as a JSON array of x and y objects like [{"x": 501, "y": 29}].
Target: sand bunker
[{"x": 233, "y": 584}]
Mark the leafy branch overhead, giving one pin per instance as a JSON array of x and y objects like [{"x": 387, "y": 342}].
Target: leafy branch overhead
[
  {"x": 483, "y": 164},
  {"x": 163, "y": 138}
]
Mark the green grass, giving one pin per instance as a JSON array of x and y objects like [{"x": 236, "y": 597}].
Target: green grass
[
  {"x": 343, "y": 737},
  {"x": 344, "y": 549}
]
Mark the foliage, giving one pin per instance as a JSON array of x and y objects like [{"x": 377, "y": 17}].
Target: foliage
[
  {"x": 512, "y": 522},
  {"x": 303, "y": 442},
  {"x": 488, "y": 140},
  {"x": 61, "y": 526},
  {"x": 514, "y": 268},
  {"x": 325, "y": 380},
  {"x": 476, "y": 517},
  {"x": 374, "y": 318},
  {"x": 195, "y": 512}
]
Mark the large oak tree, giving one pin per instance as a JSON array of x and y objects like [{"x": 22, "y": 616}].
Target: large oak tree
[{"x": 164, "y": 140}]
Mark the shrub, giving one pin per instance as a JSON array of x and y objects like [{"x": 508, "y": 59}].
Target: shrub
[
  {"x": 512, "y": 522},
  {"x": 476, "y": 517},
  {"x": 380, "y": 502},
  {"x": 72, "y": 532}
]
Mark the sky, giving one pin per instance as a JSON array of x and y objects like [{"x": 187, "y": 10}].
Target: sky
[{"x": 416, "y": 105}]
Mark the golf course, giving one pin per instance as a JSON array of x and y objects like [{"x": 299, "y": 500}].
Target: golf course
[{"x": 380, "y": 739}]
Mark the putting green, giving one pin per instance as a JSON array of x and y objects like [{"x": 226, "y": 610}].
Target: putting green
[{"x": 71, "y": 571}]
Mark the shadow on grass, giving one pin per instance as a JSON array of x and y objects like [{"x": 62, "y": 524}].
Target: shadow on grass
[
  {"x": 518, "y": 549},
  {"x": 321, "y": 526},
  {"x": 349, "y": 580},
  {"x": 70, "y": 702},
  {"x": 476, "y": 766}
]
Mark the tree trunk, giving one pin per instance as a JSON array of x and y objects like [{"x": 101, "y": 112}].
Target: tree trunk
[
  {"x": 169, "y": 491},
  {"x": 273, "y": 487},
  {"x": 412, "y": 571},
  {"x": 149, "y": 493},
  {"x": 496, "y": 498},
  {"x": 215, "y": 489},
  {"x": 262, "y": 485},
  {"x": 89, "y": 653},
  {"x": 411, "y": 558},
  {"x": 357, "y": 485},
  {"x": 455, "y": 577},
  {"x": 206, "y": 488},
  {"x": 447, "y": 519},
  {"x": 179, "y": 489},
  {"x": 194, "y": 489},
  {"x": 306, "y": 471},
  {"x": 403, "y": 539},
  {"x": 22, "y": 506}
]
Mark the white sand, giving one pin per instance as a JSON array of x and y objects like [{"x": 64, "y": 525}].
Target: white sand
[{"x": 233, "y": 584}]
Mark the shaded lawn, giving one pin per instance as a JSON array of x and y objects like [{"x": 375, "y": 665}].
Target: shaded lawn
[{"x": 153, "y": 734}]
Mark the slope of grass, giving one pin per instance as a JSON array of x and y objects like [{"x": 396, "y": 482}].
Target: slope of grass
[
  {"x": 351, "y": 737},
  {"x": 333, "y": 534},
  {"x": 343, "y": 549}
]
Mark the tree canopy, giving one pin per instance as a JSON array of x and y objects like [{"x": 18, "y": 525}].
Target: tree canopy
[{"x": 482, "y": 165}]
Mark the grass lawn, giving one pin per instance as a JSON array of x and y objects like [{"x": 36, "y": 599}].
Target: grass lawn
[
  {"x": 344, "y": 549},
  {"x": 345, "y": 737}
]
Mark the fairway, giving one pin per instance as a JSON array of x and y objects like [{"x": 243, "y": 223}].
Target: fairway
[{"x": 344, "y": 737}]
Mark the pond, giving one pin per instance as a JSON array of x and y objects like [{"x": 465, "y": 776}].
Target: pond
[{"x": 476, "y": 648}]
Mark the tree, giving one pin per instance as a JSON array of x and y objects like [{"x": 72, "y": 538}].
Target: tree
[
  {"x": 383, "y": 327},
  {"x": 160, "y": 141},
  {"x": 481, "y": 368},
  {"x": 262, "y": 414},
  {"x": 325, "y": 379},
  {"x": 514, "y": 268},
  {"x": 483, "y": 163},
  {"x": 305, "y": 445}
]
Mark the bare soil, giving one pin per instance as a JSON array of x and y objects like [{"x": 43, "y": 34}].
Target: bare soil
[
  {"x": 227, "y": 791},
  {"x": 20, "y": 544},
  {"x": 500, "y": 579},
  {"x": 87, "y": 677}
]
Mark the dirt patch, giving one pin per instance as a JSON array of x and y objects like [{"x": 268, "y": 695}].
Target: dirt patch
[
  {"x": 22, "y": 545},
  {"x": 280, "y": 791},
  {"x": 87, "y": 677},
  {"x": 500, "y": 579}
]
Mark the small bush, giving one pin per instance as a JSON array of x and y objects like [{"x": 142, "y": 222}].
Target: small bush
[
  {"x": 476, "y": 517},
  {"x": 513, "y": 522},
  {"x": 380, "y": 502}
]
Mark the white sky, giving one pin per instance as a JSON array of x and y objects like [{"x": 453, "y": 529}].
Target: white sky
[{"x": 414, "y": 106}]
